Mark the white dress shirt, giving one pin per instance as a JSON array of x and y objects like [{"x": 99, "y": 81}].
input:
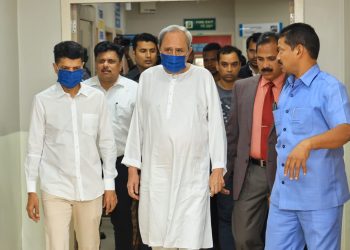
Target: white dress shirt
[
  {"x": 121, "y": 98},
  {"x": 67, "y": 138}
]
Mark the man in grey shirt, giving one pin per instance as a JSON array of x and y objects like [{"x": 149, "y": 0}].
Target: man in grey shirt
[{"x": 228, "y": 66}]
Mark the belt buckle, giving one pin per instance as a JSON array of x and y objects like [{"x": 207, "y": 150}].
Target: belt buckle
[{"x": 262, "y": 165}]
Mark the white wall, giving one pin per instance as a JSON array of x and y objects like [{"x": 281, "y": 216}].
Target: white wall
[
  {"x": 38, "y": 33},
  {"x": 174, "y": 12},
  {"x": 229, "y": 14},
  {"x": 330, "y": 29},
  {"x": 257, "y": 11},
  {"x": 9, "y": 68},
  {"x": 10, "y": 177}
]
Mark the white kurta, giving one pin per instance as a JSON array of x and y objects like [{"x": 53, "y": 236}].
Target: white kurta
[{"x": 177, "y": 128}]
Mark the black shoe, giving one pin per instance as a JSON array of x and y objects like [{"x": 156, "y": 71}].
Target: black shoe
[{"x": 102, "y": 235}]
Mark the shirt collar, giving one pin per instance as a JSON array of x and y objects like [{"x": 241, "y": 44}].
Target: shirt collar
[
  {"x": 306, "y": 78},
  {"x": 252, "y": 70},
  {"x": 119, "y": 82},
  {"x": 278, "y": 82},
  {"x": 83, "y": 90}
]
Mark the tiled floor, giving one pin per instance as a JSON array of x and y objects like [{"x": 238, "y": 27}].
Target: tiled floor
[{"x": 107, "y": 228}]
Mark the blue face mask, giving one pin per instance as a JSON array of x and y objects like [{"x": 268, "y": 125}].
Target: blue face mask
[
  {"x": 173, "y": 64},
  {"x": 70, "y": 79}
]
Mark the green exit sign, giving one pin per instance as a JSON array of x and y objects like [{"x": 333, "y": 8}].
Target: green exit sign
[{"x": 200, "y": 23}]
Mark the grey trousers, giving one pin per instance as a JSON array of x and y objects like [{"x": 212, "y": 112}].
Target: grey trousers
[{"x": 250, "y": 210}]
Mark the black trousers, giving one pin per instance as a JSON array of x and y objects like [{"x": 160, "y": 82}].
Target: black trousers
[{"x": 121, "y": 216}]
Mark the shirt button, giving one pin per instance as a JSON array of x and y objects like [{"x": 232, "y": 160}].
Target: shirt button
[
  {"x": 283, "y": 146},
  {"x": 282, "y": 182},
  {"x": 282, "y": 164},
  {"x": 287, "y": 111},
  {"x": 284, "y": 129},
  {"x": 291, "y": 95}
]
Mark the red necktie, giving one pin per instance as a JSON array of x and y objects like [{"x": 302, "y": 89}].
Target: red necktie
[{"x": 267, "y": 120}]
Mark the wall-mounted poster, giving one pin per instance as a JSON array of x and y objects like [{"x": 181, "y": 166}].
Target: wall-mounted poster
[
  {"x": 198, "y": 42},
  {"x": 246, "y": 30}
]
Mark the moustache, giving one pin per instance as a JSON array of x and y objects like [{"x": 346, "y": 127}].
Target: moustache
[
  {"x": 106, "y": 70},
  {"x": 265, "y": 70}
]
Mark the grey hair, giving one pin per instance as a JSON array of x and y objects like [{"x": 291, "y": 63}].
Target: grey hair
[{"x": 174, "y": 28}]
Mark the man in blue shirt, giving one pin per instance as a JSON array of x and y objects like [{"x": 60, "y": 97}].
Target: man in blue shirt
[{"x": 312, "y": 121}]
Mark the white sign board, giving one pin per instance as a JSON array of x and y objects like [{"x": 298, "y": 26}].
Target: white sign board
[{"x": 246, "y": 30}]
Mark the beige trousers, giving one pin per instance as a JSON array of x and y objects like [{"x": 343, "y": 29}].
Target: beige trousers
[{"x": 86, "y": 221}]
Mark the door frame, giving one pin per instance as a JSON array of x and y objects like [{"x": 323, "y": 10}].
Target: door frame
[{"x": 66, "y": 12}]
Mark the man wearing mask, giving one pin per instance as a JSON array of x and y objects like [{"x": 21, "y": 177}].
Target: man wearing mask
[
  {"x": 69, "y": 132},
  {"x": 251, "y": 68},
  {"x": 251, "y": 145},
  {"x": 210, "y": 52},
  {"x": 120, "y": 93},
  {"x": 177, "y": 128},
  {"x": 145, "y": 54}
]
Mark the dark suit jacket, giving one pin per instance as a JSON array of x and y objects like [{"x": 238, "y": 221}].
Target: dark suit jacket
[
  {"x": 239, "y": 133},
  {"x": 245, "y": 72},
  {"x": 134, "y": 74}
]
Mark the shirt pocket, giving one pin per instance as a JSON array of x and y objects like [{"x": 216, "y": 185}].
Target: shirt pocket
[
  {"x": 90, "y": 124},
  {"x": 123, "y": 112},
  {"x": 301, "y": 120}
]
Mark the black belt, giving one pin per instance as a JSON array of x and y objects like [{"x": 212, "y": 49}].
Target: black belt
[{"x": 259, "y": 162}]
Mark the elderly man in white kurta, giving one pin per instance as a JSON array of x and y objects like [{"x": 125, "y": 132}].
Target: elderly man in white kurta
[{"x": 177, "y": 129}]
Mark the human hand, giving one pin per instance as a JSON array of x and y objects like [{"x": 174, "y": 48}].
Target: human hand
[
  {"x": 133, "y": 183},
  {"x": 109, "y": 201},
  {"x": 216, "y": 181},
  {"x": 225, "y": 191},
  {"x": 296, "y": 159},
  {"x": 33, "y": 207}
]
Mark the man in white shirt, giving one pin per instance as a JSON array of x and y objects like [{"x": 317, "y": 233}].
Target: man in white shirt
[
  {"x": 177, "y": 128},
  {"x": 121, "y": 94},
  {"x": 69, "y": 132}
]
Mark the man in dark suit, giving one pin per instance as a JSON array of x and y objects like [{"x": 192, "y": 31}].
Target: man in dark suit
[
  {"x": 251, "y": 68},
  {"x": 251, "y": 139}
]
